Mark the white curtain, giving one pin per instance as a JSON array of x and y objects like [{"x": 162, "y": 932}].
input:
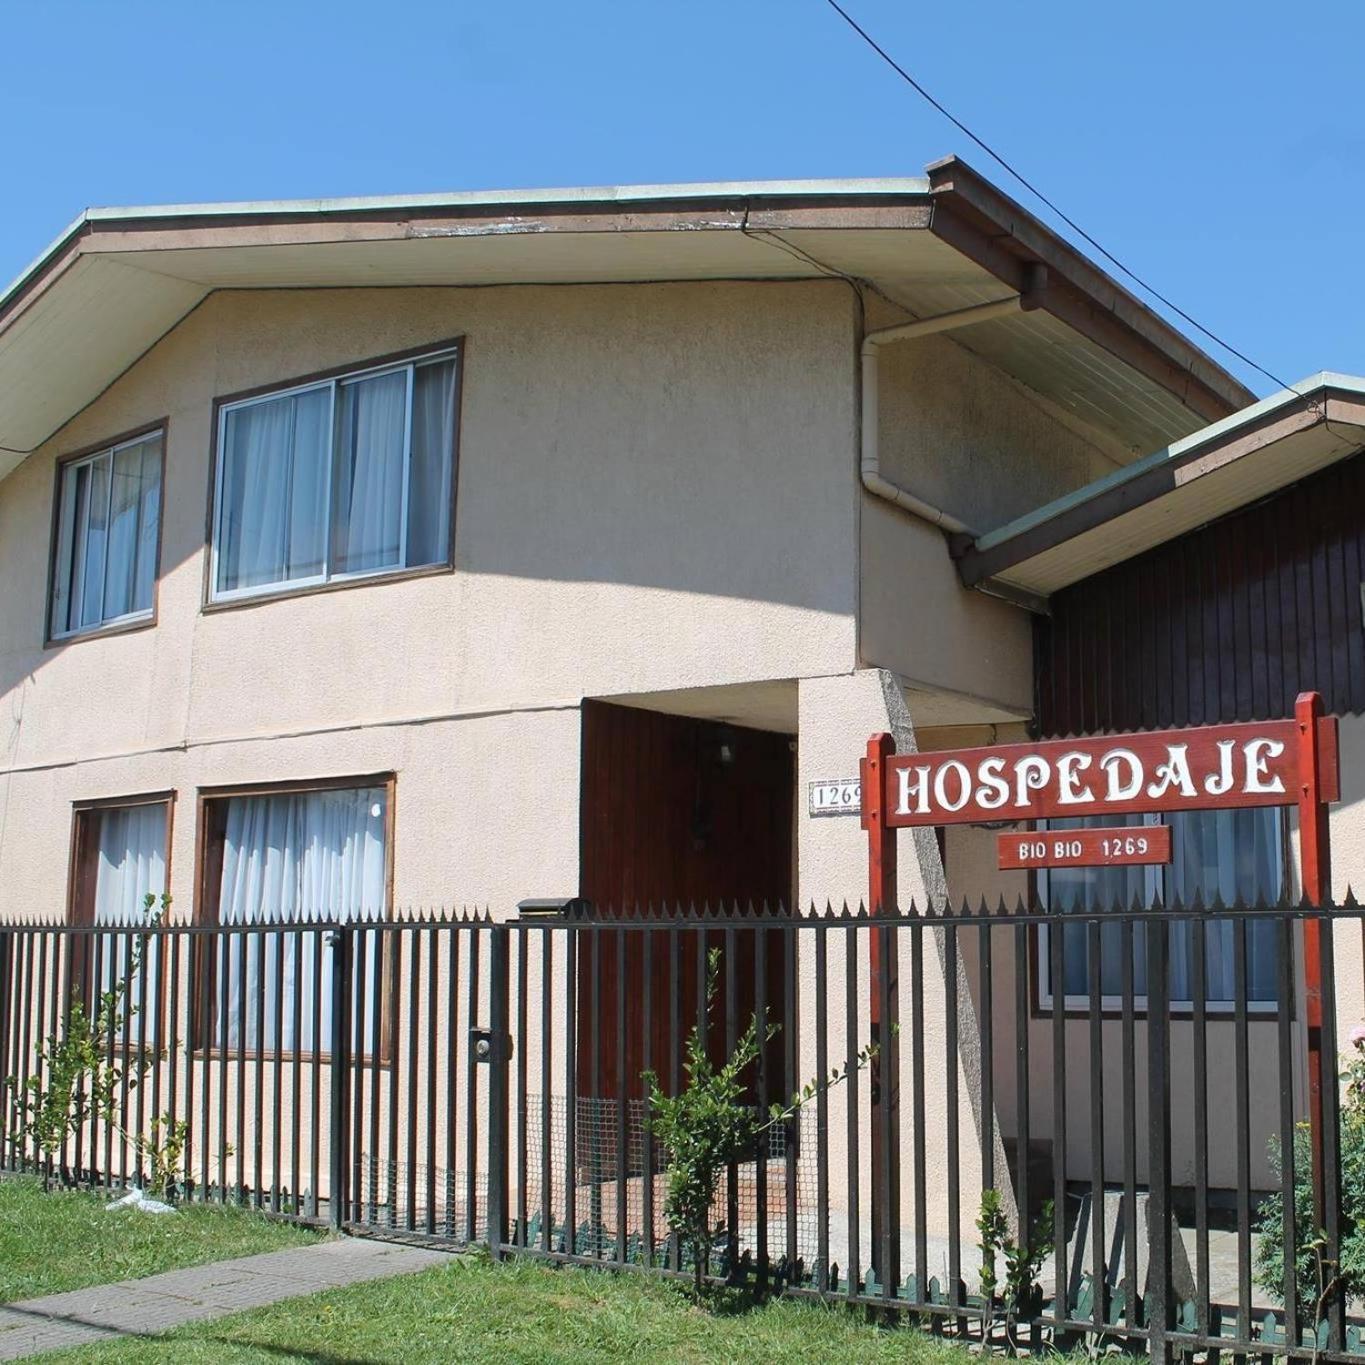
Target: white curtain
[
  {"x": 388, "y": 460},
  {"x": 432, "y": 475},
  {"x": 92, "y": 536},
  {"x": 78, "y": 594},
  {"x": 130, "y": 559},
  {"x": 105, "y": 564},
  {"x": 1101, "y": 888},
  {"x": 306, "y": 858},
  {"x": 131, "y": 865},
  {"x": 1229, "y": 854},
  {"x": 367, "y": 482},
  {"x": 273, "y": 522}
]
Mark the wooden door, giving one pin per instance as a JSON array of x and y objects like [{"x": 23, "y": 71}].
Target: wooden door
[{"x": 678, "y": 812}]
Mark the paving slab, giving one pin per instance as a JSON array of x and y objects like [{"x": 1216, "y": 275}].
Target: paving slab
[{"x": 160, "y": 1303}]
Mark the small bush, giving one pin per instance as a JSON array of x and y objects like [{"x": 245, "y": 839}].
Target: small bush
[
  {"x": 1316, "y": 1279},
  {"x": 708, "y": 1124}
]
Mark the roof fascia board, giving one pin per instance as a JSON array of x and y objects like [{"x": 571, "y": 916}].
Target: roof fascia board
[
  {"x": 601, "y": 196},
  {"x": 154, "y": 235},
  {"x": 38, "y": 270},
  {"x": 1013, "y": 231},
  {"x": 1324, "y": 398}
]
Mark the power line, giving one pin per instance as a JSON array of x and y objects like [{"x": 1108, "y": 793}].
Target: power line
[{"x": 1041, "y": 197}]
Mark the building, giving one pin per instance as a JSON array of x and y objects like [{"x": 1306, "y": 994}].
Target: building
[
  {"x": 585, "y": 446},
  {"x": 365, "y": 554}
]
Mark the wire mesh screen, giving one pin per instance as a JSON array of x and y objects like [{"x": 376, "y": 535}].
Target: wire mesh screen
[
  {"x": 620, "y": 1196},
  {"x": 421, "y": 1200}
]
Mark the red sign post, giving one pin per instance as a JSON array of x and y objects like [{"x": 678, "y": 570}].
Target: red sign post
[{"x": 1211, "y": 767}]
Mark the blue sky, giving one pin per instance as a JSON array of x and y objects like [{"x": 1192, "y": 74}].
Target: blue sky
[{"x": 1216, "y": 147}]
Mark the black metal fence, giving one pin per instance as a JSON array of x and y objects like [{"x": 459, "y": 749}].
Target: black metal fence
[{"x": 1121, "y": 1084}]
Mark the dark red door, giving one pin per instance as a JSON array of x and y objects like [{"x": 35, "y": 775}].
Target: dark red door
[{"x": 677, "y": 813}]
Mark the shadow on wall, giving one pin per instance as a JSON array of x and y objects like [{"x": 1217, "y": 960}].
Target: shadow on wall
[{"x": 691, "y": 438}]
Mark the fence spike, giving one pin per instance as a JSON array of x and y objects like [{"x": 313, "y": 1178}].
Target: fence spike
[{"x": 1349, "y": 902}]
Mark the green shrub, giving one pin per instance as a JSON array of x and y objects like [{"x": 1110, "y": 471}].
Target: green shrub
[
  {"x": 1020, "y": 1294},
  {"x": 708, "y": 1125},
  {"x": 1316, "y": 1279}
]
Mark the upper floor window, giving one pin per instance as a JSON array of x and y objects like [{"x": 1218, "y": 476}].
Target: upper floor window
[
  {"x": 108, "y": 523},
  {"x": 344, "y": 478}
]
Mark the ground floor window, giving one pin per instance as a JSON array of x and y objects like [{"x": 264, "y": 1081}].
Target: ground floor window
[
  {"x": 1228, "y": 854},
  {"x": 119, "y": 862},
  {"x": 309, "y": 856}
]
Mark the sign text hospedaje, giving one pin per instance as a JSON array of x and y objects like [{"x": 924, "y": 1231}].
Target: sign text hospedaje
[{"x": 1192, "y": 769}]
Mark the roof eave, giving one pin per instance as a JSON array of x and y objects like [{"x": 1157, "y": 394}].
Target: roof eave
[
  {"x": 1015, "y": 238},
  {"x": 994, "y": 559}
]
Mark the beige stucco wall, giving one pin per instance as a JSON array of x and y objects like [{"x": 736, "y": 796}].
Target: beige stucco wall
[
  {"x": 961, "y": 434},
  {"x": 837, "y": 716},
  {"x": 1347, "y": 835},
  {"x": 972, "y": 654},
  {"x": 964, "y": 437},
  {"x": 655, "y": 491}
]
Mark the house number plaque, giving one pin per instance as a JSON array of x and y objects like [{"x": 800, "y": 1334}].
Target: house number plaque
[{"x": 1120, "y": 847}]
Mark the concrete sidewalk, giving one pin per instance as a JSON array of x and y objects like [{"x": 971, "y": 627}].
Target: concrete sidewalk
[{"x": 160, "y": 1302}]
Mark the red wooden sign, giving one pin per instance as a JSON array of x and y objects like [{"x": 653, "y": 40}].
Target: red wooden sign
[
  {"x": 1123, "y": 846},
  {"x": 1204, "y": 768}
]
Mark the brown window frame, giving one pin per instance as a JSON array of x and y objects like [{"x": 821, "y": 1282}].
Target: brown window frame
[
  {"x": 208, "y": 889},
  {"x": 51, "y": 640},
  {"x": 209, "y": 604}
]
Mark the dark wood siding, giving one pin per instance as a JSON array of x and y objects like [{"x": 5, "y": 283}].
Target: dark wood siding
[
  {"x": 664, "y": 822},
  {"x": 1229, "y": 622}
]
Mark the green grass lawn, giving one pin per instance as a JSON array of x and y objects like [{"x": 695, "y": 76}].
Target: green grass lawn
[
  {"x": 66, "y": 1240},
  {"x": 473, "y": 1310}
]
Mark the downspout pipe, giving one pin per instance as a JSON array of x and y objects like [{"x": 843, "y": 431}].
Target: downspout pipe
[{"x": 870, "y": 466}]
